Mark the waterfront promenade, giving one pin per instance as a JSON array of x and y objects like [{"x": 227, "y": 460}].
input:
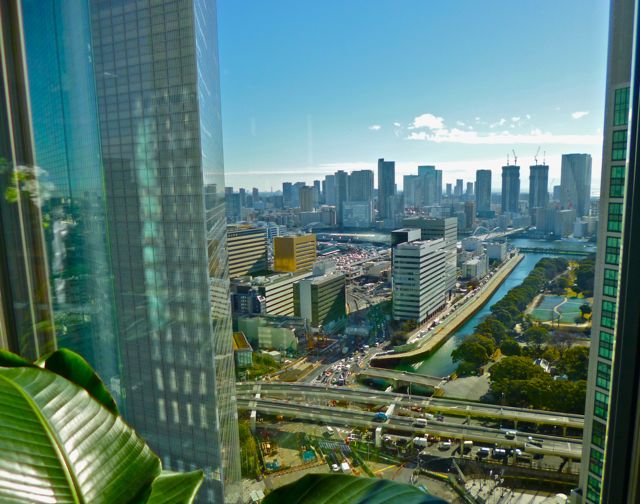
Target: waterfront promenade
[{"x": 454, "y": 320}]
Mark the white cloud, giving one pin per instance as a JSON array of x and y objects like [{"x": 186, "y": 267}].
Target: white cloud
[
  {"x": 499, "y": 123},
  {"x": 427, "y": 121},
  {"x": 460, "y": 123},
  {"x": 528, "y": 116},
  {"x": 375, "y": 127},
  {"x": 397, "y": 124},
  {"x": 579, "y": 114},
  {"x": 515, "y": 119},
  {"x": 455, "y": 135}
]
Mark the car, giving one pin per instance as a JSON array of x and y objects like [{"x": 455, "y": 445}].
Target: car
[
  {"x": 483, "y": 453},
  {"x": 380, "y": 417},
  {"x": 499, "y": 453},
  {"x": 444, "y": 445},
  {"x": 420, "y": 422},
  {"x": 440, "y": 418},
  {"x": 335, "y": 467},
  {"x": 510, "y": 434}
]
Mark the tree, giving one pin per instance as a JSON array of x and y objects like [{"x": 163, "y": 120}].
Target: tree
[
  {"x": 537, "y": 335},
  {"x": 85, "y": 453},
  {"x": 472, "y": 352},
  {"x": 576, "y": 362},
  {"x": 492, "y": 327},
  {"x": 514, "y": 368},
  {"x": 585, "y": 309},
  {"x": 509, "y": 346}
]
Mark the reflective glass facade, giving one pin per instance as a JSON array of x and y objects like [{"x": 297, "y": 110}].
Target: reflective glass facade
[
  {"x": 67, "y": 154},
  {"x": 158, "y": 99}
]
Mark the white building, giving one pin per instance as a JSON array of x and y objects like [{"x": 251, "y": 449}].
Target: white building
[
  {"x": 476, "y": 267},
  {"x": 419, "y": 279},
  {"x": 497, "y": 251}
]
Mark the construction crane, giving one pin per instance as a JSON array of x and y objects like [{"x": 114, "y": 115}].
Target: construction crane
[
  {"x": 535, "y": 158},
  {"x": 515, "y": 158}
]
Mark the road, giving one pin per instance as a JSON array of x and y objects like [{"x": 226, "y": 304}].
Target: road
[
  {"x": 551, "y": 445},
  {"x": 455, "y": 407}
]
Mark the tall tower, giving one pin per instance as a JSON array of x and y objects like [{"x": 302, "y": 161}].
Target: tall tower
[
  {"x": 386, "y": 187},
  {"x": 538, "y": 187},
  {"x": 610, "y": 470},
  {"x": 342, "y": 194},
  {"x": 483, "y": 190},
  {"x": 510, "y": 188},
  {"x": 575, "y": 182},
  {"x": 361, "y": 185}
]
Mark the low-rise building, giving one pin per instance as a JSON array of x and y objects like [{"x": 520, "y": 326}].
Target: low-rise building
[
  {"x": 496, "y": 251},
  {"x": 269, "y": 295},
  {"x": 242, "y": 351},
  {"x": 476, "y": 267},
  {"x": 294, "y": 253},
  {"x": 288, "y": 334},
  {"x": 247, "y": 250},
  {"x": 321, "y": 300}
]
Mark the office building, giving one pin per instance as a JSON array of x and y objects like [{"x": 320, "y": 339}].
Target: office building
[
  {"x": 447, "y": 229},
  {"x": 418, "y": 272},
  {"x": 242, "y": 351},
  {"x": 575, "y": 182},
  {"x": 328, "y": 215},
  {"x": 538, "y": 188},
  {"x": 438, "y": 187},
  {"x": 294, "y": 253},
  {"x": 475, "y": 268},
  {"x": 458, "y": 189},
  {"x": 428, "y": 177},
  {"x": 321, "y": 300},
  {"x": 448, "y": 191},
  {"x": 247, "y": 250},
  {"x": 610, "y": 470},
  {"x": 136, "y": 241},
  {"x": 496, "y": 251},
  {"x": 287, "y": 194},
  {"x": 469, "y": 192},
  {"x": 357, "y": 214},
  {"x": 386, "y": 188},
  {"x": 404, "y": 235},
  {"x": 556, "y": 193},
  {"x": 233, "y": 208},
  {"x": 483, "y": 191},
  {"x": 307, "y": 198},
  {"x": 411, "y": 191},
  {"x": 510, "y": 188},
  {"x": 268, "y": 295},
  {"x": 330, "y": 190},
  {"x": 255, "y": 195},
  {"x": 361, "y": 185},
  {"x": 469, "y": 215},
  {"x": 342, "y": 194}
]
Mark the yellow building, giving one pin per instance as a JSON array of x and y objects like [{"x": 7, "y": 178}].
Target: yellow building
[{"x": 294, "y": 253}]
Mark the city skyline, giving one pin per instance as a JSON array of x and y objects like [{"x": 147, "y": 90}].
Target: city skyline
[{"x": 324, "y": 126}]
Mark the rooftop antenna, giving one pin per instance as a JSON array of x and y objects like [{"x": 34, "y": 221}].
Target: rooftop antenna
[
  {"x": 515, "y": 158},
  {"x": 536, "y": 156}
]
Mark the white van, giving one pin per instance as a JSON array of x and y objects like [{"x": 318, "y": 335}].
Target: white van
[{"x": 420, "y": 422}]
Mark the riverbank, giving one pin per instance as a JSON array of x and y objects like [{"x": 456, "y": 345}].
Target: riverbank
[{"x": 448, "y": 327}]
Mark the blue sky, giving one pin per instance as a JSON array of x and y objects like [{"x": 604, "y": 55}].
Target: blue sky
[{"x": 310, "y": 87}]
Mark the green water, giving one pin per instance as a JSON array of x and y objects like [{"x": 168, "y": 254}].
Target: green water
[{"x": 440, "y": 363}]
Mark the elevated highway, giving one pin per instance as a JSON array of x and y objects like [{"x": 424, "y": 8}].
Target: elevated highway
[
  {"x": 554, "y": 251},
  {"x": 453, "y": 407},
  {"x": 551, "y": 445},
  {"x": 403, "y": 377}
]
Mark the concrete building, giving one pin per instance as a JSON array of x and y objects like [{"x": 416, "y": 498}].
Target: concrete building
[
  {"x": 610, "y": 470},
  {"x": 404, "y": 235},
  {"x": 270, "y": 295},
  {"x": 330, "y": 190},
  {"x": 411, "y": 189},
  {"x": 247, "y": 250},
  {"x": 242, "y": 351},
  {"x": 483, "y": 191},
  {"x": 469, "y": 215},
  {"x": 361, "y": 185},
  {"x": 342, "y": 194},
  {"x": 294, "y": 253},
  {"x": 575, "y": 183},
  {"x": 476, "y": 267},
  {"x": 563, "y": 222},
  {"x": 284, "y": 334},
  {"x": 419, "y": 287},
  {"x": 321, "y": 300},
  {"x": 287, "y": 194},
  {"x": 307, "y": 198},
  {"x": 386, "y": 188},
  {"x": 446, "y": 228},
  {"x": 496, "y": 251},
  {"x": 328, "y": 215},
  {"x": 538, "y": 188},
  {"x": 459, "y": 188},
  {"x": 510, "y": 189},
  {"x": 429, "y": 189},
  {"x": 357, "y": 214}
]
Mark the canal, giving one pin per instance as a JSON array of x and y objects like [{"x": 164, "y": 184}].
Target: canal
[{"x": 440, "y": 363}]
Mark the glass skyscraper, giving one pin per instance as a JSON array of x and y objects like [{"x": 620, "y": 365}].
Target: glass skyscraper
[
  {"x": 510, "y": 188},
  {"x": 116, "y": 171}
]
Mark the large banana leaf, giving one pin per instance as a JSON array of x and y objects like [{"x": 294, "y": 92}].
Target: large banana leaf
[
  {"x": 60, "y": 445},
  {"x": 345, "y": 489}
]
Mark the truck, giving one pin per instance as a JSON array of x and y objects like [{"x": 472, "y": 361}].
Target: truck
[
  {"x": 422, "y": 442},
  {"x": 420, "y": 422}
]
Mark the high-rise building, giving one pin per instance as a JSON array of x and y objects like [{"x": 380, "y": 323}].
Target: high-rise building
[
  {"x": 429, "y": 184},
  {"x": 510, "y": 188},
  {"x": 483, "y": 191},
  {"x": 247, "y": 250},
  {"x": 294, "y": 253},
  {"x": 317, "y": 193},
  {"x": 295, "y": 194},
  {"x": 575, "y": 182},
  {"x": 361, "y": 185},
  {"x": 538, "y": 187},
  {"x": 307, "y": 197},
  {"x": 321, "y": 299},
  {"x": 256, "y": 195},
  {"x": 469, "y": 191},
  {"x": 357, "y": 214},
  {"x": 330, "y": 190},
  {"x": 419, "y": 288},
  {"x": 438, "y": 187},
  {"x": 447, "y": 229},
  {"x": 556, "y": 193},
  {"x": 386, "y": 187},
  {"x": 610, "y": 470},
  {"x": 136, "y": 238},
  {"x": 448, "y": 191},
  {"x": 342, "y": 193},
  {"x": 469, "y": 215},
  {"x": 287, "y": 194},
  {"x": 459, "y": 188},
  {"x": 411, "y": 191}
]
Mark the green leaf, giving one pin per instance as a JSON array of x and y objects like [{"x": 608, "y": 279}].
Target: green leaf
[
  {"x": 8, "y": 359},
  {"x": 58, "y": 444},
  {"x": 171, "y": 487},
  {"x": 345, "y": 489},
  {"x": 74, "y": 368}
]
